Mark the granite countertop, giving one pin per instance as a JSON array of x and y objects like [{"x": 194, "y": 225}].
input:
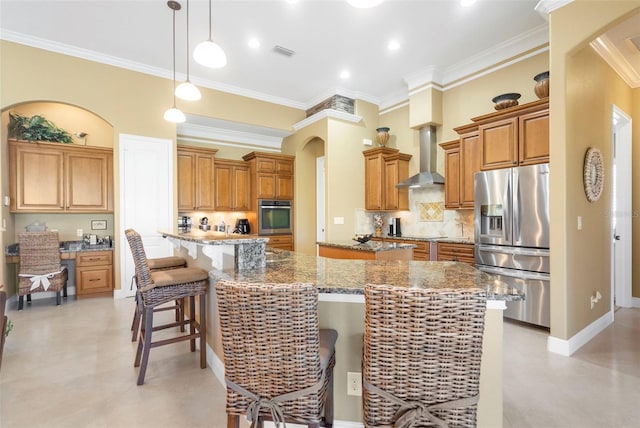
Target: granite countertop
[
  {"x": 369, "y": 246},
  {"x": 214, "y": 238},
  {"x": 460, "y": 240},
  {"x": 65, "y": 247},
  {"x": 340, "y": 276}
]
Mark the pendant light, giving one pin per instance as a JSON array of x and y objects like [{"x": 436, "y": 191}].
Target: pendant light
[
  {"x": 208, "y": 53},
  {"x": 186, "y": 90},
  {"x": 174, "y": 114}
]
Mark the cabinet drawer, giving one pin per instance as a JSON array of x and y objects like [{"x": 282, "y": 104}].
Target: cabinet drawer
[
  {"x": 94, "y": 258},
  {"x": 94, "y": 280},
  {"x": 456, "y": 252},
  {"x": 281, "y": 242}
]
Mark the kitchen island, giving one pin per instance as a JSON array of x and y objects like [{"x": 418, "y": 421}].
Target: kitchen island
[
  {"x": 370, "y": 250},
  {"x": 341, "y": 307}
]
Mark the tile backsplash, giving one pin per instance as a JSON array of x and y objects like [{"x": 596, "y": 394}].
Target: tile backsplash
[{"x": 427, "y": 217}]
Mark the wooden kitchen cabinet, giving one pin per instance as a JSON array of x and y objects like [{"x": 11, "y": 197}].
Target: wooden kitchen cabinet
[
  {"x": 281, "y": 242},
  {"x": 383, "y": 169},
  {"x": 272, "y": 174},
  {"x": 55, "y": 177},
  {"x": 499, "y": 143},
  {"x": 232, "y": 186},
  {"x": 196, "y": 189},
  {"x": 422, "y": 250},
  {"x": 451, "y": 174},
  {"x": 456, "y": 252},
  {"x": 94, "y": 273},
  {"x": 533, "y": 138}
]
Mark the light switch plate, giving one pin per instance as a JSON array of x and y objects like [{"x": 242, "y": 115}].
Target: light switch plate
[{"x": 338, "y": 220}]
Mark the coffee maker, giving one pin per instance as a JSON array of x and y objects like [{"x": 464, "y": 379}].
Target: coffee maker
[
  {"x": 242, "y": 226},
  {"x": 394, "y": 227}
]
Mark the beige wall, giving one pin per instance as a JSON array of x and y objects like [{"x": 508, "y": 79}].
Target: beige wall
[
  {"x": 569, "y": 312},
  {"x": 635, "y": 179}
]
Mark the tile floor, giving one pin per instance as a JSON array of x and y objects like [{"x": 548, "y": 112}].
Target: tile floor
[{"x": 72, "y": 366}]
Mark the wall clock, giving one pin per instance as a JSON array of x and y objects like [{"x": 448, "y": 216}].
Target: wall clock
[{"x": 593, "y": 174}]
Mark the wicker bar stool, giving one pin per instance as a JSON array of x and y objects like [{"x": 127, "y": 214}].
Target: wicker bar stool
[
  {"x": 40, "y": 268},
  {"x": 278, "y": 364},
  {"x": 422, "y": 352},
  {"x": 156, "y": 264},
  {"x": 160, "y": 287}
]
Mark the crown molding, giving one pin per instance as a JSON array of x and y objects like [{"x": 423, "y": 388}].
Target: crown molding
[
  {"x": 37, "y": 42},
  {"x": 355, "y": 95},
  {"x": 545, "y": 7},
  {"x": 616, "y": 60},
  {"x": 326, "y": 114},
  {"x": 270, "y": 139}
]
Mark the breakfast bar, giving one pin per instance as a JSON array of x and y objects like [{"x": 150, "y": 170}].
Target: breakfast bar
[{"x": 341, "y": 307}]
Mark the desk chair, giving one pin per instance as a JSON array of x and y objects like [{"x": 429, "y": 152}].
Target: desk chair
[
  {"x": 40, "y": 268},
  {"x": 278, "y": 364},
  {"x": 160, "y": 287},
  {"x": 422, "y": 353}
]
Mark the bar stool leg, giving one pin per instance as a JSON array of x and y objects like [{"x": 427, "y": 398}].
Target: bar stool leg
[
  {"x": 58, "y": 298},
  {"x": 148, "y": 328},
  {"x": 192, "y": 320},
  {"x": 20, "y": 302},
  {"x": 233, "y": 421},
  {"x": 202, "y": 328}
]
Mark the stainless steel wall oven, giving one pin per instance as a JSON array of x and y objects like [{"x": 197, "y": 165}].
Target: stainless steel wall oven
[{"x": 274, "y": 217}]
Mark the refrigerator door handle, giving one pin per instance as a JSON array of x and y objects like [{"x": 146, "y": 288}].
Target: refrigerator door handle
[
  {"x": 520, "y": 274},
  {"x": 507, "y": 216},
  {"x": 517, "y": 206},
  {"x": 513, "y": 250}
]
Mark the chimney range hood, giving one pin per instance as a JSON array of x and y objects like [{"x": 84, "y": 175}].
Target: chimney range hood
[{"x": 427, "y": 176}]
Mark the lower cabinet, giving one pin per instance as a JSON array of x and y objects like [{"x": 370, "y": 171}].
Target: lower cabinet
[
  {"x": 94, "y": 273},
  {"x": 420, "y": 252},
  {"x": 456, "y": 252},
  {"x": 281, "y": 242}
]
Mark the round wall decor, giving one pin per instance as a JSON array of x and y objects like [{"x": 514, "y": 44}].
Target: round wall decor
[{"x": 593, "y": 174}]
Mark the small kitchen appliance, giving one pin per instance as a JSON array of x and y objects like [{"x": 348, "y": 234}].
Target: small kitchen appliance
[
  {"x": 242, "y": 226},
  {"x": 394, "y": 227},
  {"x": 204, "y": 224}
]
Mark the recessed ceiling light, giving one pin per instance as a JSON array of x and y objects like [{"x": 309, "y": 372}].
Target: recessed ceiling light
[
  {"x": 467, "y": 3},
  {"x": 393, "y": 45},
  {"x": 344, "y": 74},
  {"x": 364, "y": 3},
  {"x": 254, "y": 43}
]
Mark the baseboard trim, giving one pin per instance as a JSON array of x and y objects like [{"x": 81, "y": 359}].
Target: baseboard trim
[
  {"x": 568, "y": 347},
  {"x": 217, "y": 367},
  {"x": 635, "y": 302}
]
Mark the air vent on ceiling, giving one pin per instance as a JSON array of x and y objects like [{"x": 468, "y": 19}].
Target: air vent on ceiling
[{"x": 283, "y": 51}]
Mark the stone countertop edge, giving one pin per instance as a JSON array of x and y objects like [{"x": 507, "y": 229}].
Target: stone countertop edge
[
  {"x": 214, "y": 238},
  {"x": 369, "y": 246},
  {"x": 460, "y": 240},
  {"x": 348, "y": 277},
  {"x": 8, "y": 253}
]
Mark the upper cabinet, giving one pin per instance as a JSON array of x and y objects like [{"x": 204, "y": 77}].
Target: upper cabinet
[
  {"x": 196, "y": 179},
  {"x": 451, "y": 174},
  {"x": 55, "y": 177},
  {"x": 271, "y": 175},
  {"x": 232, "y": 186},
  {"x": 383, "y": 169},
  {"x": 514, "y": 136}
]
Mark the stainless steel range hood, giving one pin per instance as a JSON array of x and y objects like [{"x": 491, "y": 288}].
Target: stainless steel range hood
[{"x": 428, "y": 160}]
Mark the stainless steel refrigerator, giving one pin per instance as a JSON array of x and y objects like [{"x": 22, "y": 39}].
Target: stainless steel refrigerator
[{"x": 512, "y": 235}]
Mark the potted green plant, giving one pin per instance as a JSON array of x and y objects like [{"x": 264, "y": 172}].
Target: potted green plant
[{"x": 36, "y": 128}]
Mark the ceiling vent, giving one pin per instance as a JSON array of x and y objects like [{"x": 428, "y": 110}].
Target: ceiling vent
[{"x": 283, "y": 51}]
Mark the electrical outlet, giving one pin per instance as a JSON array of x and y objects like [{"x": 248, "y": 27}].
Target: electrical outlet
[
  {"x": 354, "y": 383},
  {"x": 79, "y": 232}
]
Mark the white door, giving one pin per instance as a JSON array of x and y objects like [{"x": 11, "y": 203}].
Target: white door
[
  {"x": 146, "y": 199},
  {"x": 320, "y": 218},
  {"x": 622, "y": 210}
]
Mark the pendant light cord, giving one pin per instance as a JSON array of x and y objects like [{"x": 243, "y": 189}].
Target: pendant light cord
[
  {"x": 187, "y": 40},
  {"x": 174, "y": 57},
  {"x": 210, "y": 32}
]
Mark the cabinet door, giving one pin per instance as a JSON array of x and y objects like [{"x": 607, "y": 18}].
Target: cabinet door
[
  {"x": 373, "y": 189},
  {"x": 88, "y": 182},
  {"x": 224, "y": 187},
  {"x": 395, "y": 171},
  {"x": 36, "y": 179},
  {"x": 470, "y": 163},
  {"x": 533, "y": 138},
  {"x": 205, "y": 191},
  {"x": 266, "y": 184},
  {"x": 241, "y": 188},
  {"x": 186, "y": 181},
  {"x": 452, "y": 178},
  {"x": 284, "y": 187},
  {"x": 498, "y": 144}
]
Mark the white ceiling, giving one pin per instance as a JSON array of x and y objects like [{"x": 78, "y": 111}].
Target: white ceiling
[{"x": 440, "y": 41}]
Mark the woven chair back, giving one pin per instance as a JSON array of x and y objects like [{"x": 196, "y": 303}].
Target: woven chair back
[
  {"x": 422, "y": 345},
  {"x": 143, "y": 274},
  {"x": 271, "y": 344},
  {"x": 39, "y": 252}
]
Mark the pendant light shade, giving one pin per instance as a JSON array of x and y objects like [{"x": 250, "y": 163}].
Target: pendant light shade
[
  {"x": 186, "y": 90},
  {"x": 174, "y": 114},
  {"x": 208, "y": 53}
]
